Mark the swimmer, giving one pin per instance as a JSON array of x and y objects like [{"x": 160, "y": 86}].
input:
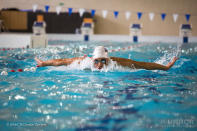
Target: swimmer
[{"x": 100, "y": 59}]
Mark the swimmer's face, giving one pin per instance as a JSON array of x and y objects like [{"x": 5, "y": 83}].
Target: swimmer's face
[{"x": 100, "y": 62}]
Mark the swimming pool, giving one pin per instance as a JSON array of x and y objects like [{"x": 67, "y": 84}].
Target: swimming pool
[{"x": 64, "y": 98}]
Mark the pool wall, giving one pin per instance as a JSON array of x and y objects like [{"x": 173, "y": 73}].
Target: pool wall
[{"x": 22, "y": 40}]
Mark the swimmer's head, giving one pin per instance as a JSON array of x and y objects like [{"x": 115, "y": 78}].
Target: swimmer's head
[
  {"x": 100, "y": 57},
  {"x": 100, "y": 52}
]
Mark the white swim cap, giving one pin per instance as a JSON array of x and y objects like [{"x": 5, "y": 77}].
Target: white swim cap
[{"x": 100, "y": 52}]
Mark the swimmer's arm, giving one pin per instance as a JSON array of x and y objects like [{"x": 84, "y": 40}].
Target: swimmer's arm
[
  {"x": 57, "y": 62},
  {"x": 143, "y": 65}
]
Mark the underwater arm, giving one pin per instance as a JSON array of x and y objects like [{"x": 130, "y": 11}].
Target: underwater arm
[
  {"x": 143, "y": 65},
  {"x": 57, "y": 62}
]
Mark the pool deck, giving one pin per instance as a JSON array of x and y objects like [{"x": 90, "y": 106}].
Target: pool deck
[{"x": 21, "y": 40}]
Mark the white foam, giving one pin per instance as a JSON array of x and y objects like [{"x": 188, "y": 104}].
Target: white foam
[
  {"x": 4, "y": 73},
  {"x": 19, "y": 97}
]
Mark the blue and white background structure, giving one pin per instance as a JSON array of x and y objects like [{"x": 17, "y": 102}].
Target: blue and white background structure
[{"x": 161, "y": 20}]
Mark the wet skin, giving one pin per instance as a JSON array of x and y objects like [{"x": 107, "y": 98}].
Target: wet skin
[{"x": 99, "y": 63}]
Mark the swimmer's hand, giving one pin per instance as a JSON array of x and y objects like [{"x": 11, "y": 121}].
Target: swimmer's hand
[
  {"x": 170, "y": 64},
  {"x": 40, "y": 63}
]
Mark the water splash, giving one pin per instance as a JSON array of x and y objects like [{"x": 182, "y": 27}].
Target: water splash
[
  {"x": 179, "y": 47},
  {"x": 169, "y": 54}
]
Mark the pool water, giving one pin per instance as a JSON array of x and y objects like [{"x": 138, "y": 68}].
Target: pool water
[{"x": 61, "y": 98}]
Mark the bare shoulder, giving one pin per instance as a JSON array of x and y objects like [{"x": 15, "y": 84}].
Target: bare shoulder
[
  {"x": 123, "y": 61},
  {"x": 119, "y": 59},
  {"x": 128, "y": 62}
]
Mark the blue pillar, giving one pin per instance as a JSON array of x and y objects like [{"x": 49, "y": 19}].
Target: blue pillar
[
  {"x": 135, "y": 38},
  {"x": 86, "y": 37},
  {"x": 185, "y": 39}
]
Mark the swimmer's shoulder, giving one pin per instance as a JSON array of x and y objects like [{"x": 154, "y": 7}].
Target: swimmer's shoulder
[
  {"x": 119, "y": 59},
  {"x": 123, "y": 61}
]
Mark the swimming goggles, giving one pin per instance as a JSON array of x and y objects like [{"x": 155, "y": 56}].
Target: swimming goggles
[{"x": 103, "y": 61}]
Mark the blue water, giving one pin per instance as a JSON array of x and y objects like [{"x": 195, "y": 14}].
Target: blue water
[{"x": 53, "y": 98}]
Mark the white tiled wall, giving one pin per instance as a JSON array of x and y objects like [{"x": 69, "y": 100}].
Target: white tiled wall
[
  {"x": 14, "y": 40},
  {"x": 22, "y": 40}
]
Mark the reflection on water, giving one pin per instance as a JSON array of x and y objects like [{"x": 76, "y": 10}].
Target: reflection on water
[{"x": 65, "y": 98}]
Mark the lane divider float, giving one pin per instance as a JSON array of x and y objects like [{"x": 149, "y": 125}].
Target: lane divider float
[
  {"x": 8, "y": 49},
  {"x": 131, "y": 47},
  {"x": 31, "y": 69}
]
